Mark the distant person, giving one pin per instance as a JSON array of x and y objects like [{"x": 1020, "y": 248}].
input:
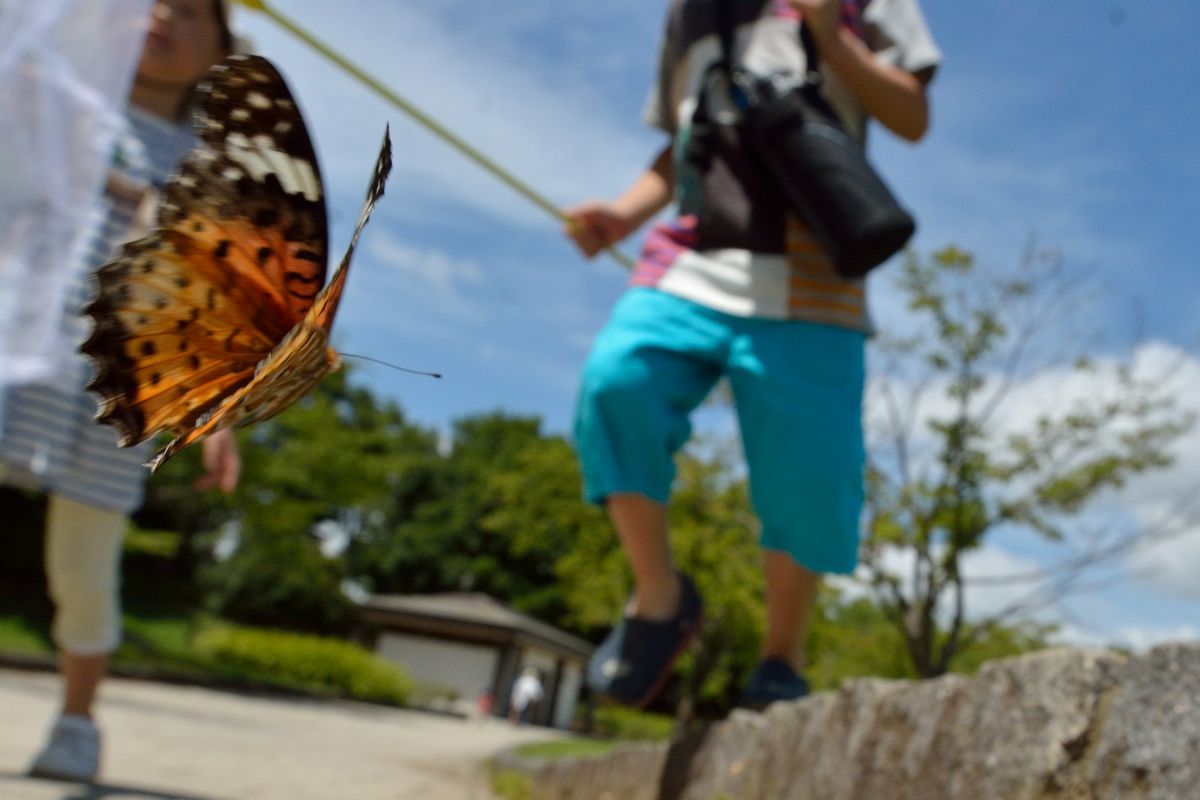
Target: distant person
[
  {"x": 49, "y": 439},
  {"x": 483, "y": 704},
  {"x": 735, "y": 287},
  {"x": 526, "y": 697}
]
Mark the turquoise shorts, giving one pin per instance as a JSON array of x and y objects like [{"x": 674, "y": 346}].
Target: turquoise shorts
[{"x": 797, "y": 388}]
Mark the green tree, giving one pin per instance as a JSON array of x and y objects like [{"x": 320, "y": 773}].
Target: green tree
[
  {"x": 172, "y": 504},
  {"x": 536, "y": 507},
  {"x": 941, "y": 484},
  {"x": 334, "y": 458},
  {"x": 495, "y": 515},
  {"x": 857, "y": 638}
]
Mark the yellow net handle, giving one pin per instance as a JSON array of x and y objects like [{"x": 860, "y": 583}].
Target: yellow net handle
[{"x": 421, "y": 117}]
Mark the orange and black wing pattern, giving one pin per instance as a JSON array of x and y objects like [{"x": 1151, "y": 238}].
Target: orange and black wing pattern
[{"x": 188, "y": 318}]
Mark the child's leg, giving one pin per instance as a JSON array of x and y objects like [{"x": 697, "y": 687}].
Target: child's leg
[
  {"x": 791, "y": 592},
  {"x": 648, "y": 369},
  {"x": 81, "y": 680},
  {"x": 798, "y": 392},
  {"x": 650, "y": 366},
  {"x": 83, "y": 548},
  {"x": 641, "y": 525}
]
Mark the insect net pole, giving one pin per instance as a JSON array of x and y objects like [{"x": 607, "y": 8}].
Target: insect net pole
[{"x": 439, "y": 130}]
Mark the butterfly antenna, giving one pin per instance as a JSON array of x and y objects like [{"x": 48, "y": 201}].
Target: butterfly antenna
[{"x": 393, "y": 366}]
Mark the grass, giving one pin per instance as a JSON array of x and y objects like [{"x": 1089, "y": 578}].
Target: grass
[
  {"x": 22, "y": 635},
  {"x": 515, "y": 784},
  {"x": 568, "y": 748},
  {"x": 511, "y": 785},
  {"x": 615, "y": 722}
]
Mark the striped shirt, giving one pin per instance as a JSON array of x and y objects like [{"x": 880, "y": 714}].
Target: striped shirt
[
  {"x": 49, "y": 439},
  {"x": 735, "y": 247}
]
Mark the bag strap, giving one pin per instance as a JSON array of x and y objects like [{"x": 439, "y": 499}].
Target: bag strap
[
  {"x": 725, "y": 14},
  {"x": 812, "y": 58}
]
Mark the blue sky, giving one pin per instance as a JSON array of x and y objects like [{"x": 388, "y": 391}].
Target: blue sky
[{"x": 1070, "y": 122}]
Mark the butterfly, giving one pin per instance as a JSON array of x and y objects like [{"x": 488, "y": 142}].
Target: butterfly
[{"x": 221, "y": 315}]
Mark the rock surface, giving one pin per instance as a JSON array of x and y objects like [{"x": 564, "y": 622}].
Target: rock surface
[{"x": 1056, "y": 725}]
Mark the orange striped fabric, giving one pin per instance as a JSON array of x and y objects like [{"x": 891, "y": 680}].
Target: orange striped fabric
[{"x": 815, "y": 292}]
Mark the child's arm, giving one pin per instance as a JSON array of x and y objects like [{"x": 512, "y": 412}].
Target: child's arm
[
  {"x": 889, "y": 94},
  {"x": 597, "y": 225},
  {"x": 222, "y": 463}
]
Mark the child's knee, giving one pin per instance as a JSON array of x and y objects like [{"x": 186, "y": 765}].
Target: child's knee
[
  {"x": 87, "y": 622},
  {"x": 83, "y": 548}
]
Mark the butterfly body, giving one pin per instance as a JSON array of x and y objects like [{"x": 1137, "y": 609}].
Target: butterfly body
[{"x": 219, "y": 317}]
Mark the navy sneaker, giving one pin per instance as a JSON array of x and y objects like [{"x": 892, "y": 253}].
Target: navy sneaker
[
  {"x": 772, "y": 680},
  {"x": 632, "y": 664}
]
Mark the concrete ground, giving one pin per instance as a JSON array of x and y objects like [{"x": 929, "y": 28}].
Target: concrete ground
[{"x": 191, "y": 743}]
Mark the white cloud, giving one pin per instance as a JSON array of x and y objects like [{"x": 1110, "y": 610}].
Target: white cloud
[
  {"x": 1136, "y": 638},
  {"x": 995, "y": 580},
  {"x": 1173, "y": 564},
  {"x": 552, "y": 130},
  {"x": 446, "y": 277}
]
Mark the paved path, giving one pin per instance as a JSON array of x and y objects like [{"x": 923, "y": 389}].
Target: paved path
[{"x": 197, "y": 744}]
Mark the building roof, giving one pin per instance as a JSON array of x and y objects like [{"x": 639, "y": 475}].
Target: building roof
[{"x": 470, "y": 616}]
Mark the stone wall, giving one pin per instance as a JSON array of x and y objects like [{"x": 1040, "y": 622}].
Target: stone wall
[{"x": 1055, "y": 725}]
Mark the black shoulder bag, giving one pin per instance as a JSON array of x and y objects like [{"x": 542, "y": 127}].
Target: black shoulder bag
[{"x": 819, "y": 168}]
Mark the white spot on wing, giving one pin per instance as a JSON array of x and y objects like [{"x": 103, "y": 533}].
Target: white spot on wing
[
  {"x": 238, "y": 147},
  {"x": 294, "y": 174},
  {"x": 258, "y": 100},
  {"x": 312, "y": 187}
]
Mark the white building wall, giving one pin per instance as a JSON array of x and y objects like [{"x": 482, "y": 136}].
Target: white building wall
[
  {"x": 568, "y": 694},
  {"x": 469, "y": 668}
]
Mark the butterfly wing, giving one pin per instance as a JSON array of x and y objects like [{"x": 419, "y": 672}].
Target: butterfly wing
[
  {"x": 302, "y": 359},
  {"x": 184, "y": 316},
  {"x": 326, "y": 303}
]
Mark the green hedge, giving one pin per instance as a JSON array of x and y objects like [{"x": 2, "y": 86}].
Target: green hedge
[
  {"x": 615, "y": 722},
  {"x": 308, "y": 661}
]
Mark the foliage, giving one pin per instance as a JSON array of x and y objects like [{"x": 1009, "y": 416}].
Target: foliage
[
  {"x": 501, "y": 509},
  {"x": 24, "y": 516},
  {"x": 508, "y": 784},
  {"x": 567, "y": 748},
  {"x": 278, "y": 578},
  {"x": 336, "y": 456},
  {"x": 856, "y": 638},
  {"x": 629, "y": 724},
  {"x": 536, "y": 506},
  {"x": 851, "y": 640},
  {"x": 933, "y": 507},
  {"x": 308, "y": 661},
  {"x": 24, "y": 634}
]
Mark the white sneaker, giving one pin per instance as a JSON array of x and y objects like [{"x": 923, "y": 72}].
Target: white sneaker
[{"x": 72, "y": 753}]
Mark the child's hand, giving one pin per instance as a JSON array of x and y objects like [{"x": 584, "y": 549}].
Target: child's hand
[
  {"x": 823, "y": 17},
  {"x": 595, "y": 226},
  {"x": 222, "y": 464}
]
